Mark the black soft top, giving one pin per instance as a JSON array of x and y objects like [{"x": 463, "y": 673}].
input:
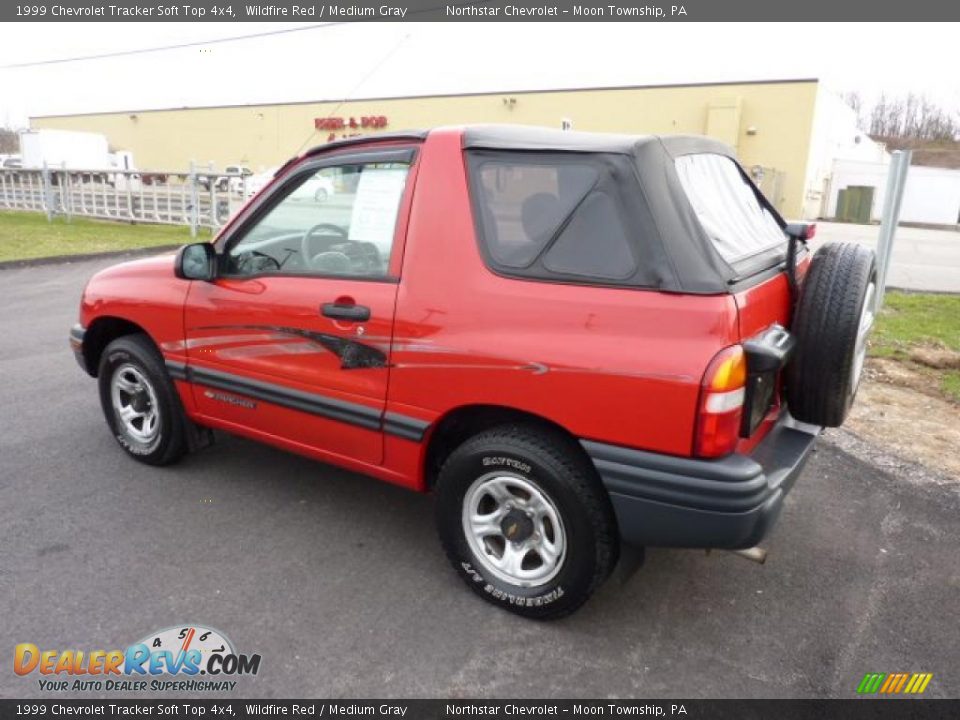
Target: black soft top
[
  {"x": 678, "y": 253},
  {"x": 528, "y": 137}
]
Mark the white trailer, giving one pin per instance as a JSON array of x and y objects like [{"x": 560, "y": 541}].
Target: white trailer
[
  {"x": 64, "y": 149},
  {"x": 79, "y": 151}
]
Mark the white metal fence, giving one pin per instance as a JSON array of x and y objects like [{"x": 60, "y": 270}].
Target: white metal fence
[{"x": 197, "y": 198}]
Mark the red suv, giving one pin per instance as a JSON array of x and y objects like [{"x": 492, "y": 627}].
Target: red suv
[{"x": 576, "y": 341}]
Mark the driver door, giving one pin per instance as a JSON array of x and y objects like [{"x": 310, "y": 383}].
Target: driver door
[{"x": 292, "y": 340}]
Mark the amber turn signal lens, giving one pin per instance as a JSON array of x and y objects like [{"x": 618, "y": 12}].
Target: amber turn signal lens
[
  {"x": 728, "y": 371},
  {"x": 721, "y": 404}
]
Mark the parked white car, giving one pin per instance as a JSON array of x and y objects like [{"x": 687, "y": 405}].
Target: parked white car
[
  {"x": 317, "y": 188},
  {"x": 256, "y": 183},
  {"x": 232, "y": 182}
]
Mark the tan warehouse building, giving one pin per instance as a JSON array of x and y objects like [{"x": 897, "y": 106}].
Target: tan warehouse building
[{"x": 786, "y": 132}]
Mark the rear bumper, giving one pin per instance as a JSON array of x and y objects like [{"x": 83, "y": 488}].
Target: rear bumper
[{"x": 732, "y": 502}]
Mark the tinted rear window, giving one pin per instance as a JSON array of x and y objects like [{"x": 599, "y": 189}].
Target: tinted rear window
[
  {"x": 556, "y": 216},
  {"x": 727, "y": 207}
]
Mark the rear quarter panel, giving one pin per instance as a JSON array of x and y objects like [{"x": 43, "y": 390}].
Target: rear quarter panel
[
  {"x": 759, "y": 307},
  {"x": 613, "y": 365}
]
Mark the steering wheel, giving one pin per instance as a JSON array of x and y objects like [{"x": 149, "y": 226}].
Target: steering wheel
[
  {"x": 327, "y": 229},
  {"x": 366, "y": 257},
  {"x": 254, "y": 262}
]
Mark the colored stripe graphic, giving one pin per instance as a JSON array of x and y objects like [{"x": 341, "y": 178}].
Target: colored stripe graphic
[
  {"x": 894, "y": 683},
  {"x": 871, "y": 683},
  {"x": 891, "y": 679}
]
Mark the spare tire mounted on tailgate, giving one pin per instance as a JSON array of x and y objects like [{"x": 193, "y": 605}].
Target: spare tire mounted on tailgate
[{"x": 832, "y": 321}]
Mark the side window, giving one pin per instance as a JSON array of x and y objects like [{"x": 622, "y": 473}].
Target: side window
[
  {"x": 594, "y": 243},
  {"x": 553, "y": 217},
  {"x": 522, "y": 205},
  {"x": 337, "y": 221},
  {"x": 727, "y": 207}
]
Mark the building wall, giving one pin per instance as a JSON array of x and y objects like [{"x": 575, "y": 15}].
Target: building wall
[
  {"x": 769, "y": 123},
  {"x": 836, "y": 136},
  {"x": 932, "y": 195}
]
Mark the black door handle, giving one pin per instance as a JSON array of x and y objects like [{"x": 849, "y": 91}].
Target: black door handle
[{"x": 353, "y": 313}]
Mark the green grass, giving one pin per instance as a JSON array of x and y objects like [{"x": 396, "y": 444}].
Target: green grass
[
  {"x": 950, "y": 384},
  {"x": 916, "y": 319},
  {"x": 28, "y": 235},
  {"x": 911, "y": 325}
]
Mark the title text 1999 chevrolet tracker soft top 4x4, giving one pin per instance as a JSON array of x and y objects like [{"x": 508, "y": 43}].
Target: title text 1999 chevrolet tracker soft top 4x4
[{"x": 576, "y": 341}]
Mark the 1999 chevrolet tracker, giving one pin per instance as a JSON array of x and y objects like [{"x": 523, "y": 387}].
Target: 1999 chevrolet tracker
[{"x": 576, "y": 341}]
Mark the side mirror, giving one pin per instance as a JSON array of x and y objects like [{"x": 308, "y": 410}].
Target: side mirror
[
  {"x": 801, "y": 230},
  {"x": 197, "y": 261}
]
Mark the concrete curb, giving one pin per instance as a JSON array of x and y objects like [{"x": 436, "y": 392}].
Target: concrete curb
[
  {"x": 910, "y": 291},
  {"x": 57, "y": 259}
]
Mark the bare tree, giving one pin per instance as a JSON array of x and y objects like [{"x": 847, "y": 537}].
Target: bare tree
[
  {"x": 855, "y": 102},
  {"x": 913, "y": 117}
]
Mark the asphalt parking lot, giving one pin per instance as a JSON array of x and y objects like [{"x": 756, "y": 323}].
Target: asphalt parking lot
[
  {"x": 338, "y": 582},
  {"x": 926, "y": 259}
]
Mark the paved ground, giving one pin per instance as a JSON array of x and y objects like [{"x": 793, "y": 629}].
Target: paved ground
[
  {"x": 923, "y": 259},
  {"x": 338, "y": 581}
]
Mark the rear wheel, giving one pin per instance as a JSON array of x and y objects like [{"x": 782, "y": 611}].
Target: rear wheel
[
  {"x": 833, "y": 322},
  {"x": 140, "y": 403},
  {"x": 525, "y": 521}
]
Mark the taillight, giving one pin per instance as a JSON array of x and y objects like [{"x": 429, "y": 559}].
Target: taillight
[{"x": 721, "y": 404}]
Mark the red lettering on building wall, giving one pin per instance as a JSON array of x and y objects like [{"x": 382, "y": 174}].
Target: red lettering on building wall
[{"x": 369, "y": 122}]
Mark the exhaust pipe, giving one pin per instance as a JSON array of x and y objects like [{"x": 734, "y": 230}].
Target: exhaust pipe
[{"x": 756, "y": 554}]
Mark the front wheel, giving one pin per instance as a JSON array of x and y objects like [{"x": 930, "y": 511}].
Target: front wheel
[
  {"x": 140, "y": 403},
  {"x": 525, "y": 521}
]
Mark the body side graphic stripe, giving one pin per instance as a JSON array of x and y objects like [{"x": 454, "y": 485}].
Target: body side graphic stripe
[{"x": 402, "y": 426}]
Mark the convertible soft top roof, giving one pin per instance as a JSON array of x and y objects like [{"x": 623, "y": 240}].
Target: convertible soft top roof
[
  {"x": 532, "y": 137},
  {"x": 528, "y": 137},
  {"x": 679, "y": 256}
]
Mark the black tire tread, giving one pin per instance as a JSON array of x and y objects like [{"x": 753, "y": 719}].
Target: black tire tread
[
  {"x": 581, "y": 478},
  {"x": 818, "y": 378},
  {"x": 143, "y": 348}
]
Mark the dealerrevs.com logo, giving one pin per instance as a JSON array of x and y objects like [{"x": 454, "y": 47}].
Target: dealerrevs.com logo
[{"x": 188, "y": 658}]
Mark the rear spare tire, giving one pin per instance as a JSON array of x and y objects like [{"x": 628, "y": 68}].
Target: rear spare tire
[{"x": 833, "y": 318}]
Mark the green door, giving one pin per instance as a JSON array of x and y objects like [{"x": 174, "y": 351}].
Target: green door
[{"x": 854, "y": 204}]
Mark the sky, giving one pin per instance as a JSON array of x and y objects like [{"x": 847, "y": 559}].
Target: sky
[{"x": 360, "y": 60}]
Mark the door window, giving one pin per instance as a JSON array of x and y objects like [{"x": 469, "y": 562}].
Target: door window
[{"x": 336, "y": 221}]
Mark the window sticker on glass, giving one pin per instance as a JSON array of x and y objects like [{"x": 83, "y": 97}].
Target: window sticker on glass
[{"x": 378, "y": 196}]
